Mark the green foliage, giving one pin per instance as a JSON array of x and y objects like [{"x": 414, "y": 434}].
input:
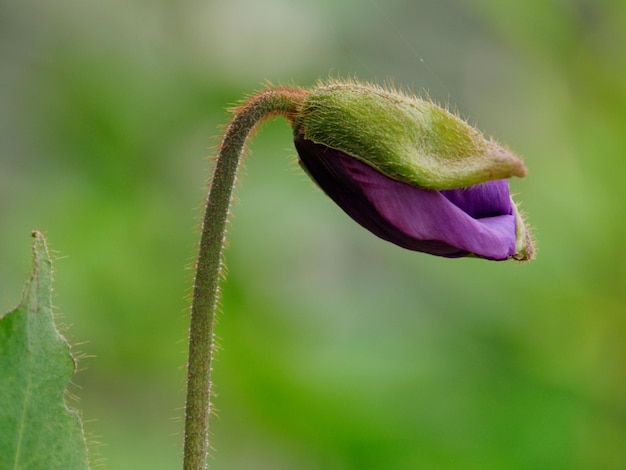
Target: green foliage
[{"x": 37, "y": 430}]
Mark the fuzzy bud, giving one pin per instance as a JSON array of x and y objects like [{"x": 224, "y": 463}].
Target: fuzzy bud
[{"x": 411, "y": 172}]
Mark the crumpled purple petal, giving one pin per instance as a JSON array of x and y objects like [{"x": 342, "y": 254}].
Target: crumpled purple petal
[{"x": 476, "y": 220}]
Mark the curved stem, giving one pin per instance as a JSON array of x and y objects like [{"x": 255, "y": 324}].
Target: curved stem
[{"x": 281, "y": 101}]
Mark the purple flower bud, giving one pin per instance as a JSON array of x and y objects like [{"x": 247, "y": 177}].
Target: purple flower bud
[{"x": 479, "y": 220}]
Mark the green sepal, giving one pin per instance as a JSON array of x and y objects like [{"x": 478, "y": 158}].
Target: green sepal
[
  {"x": 524, "y": 246},
  {"x": 406, "y": 138}
]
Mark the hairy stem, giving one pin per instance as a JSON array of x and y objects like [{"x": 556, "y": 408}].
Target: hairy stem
[{"x": 280, "y": 101}]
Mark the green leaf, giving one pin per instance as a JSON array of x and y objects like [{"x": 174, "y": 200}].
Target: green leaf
[{"x": 37, "y": 430}]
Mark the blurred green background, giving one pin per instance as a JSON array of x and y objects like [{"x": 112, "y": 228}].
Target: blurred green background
[{"x": 338, "y": 350}]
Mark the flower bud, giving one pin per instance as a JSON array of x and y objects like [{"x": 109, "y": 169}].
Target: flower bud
[{"x": 411, "y": 172}]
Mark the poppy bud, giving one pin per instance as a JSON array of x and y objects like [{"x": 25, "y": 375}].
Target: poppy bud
[{"x": 411, "y": 172}]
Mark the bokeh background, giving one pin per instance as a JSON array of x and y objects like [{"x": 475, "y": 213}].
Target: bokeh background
[{"x": 338, "y": 350}]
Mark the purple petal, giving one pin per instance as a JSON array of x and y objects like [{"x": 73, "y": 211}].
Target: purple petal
[{"x": 479, "y": 219}]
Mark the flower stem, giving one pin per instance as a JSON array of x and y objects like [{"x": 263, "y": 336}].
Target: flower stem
[{"x": 278, "y": 101}]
